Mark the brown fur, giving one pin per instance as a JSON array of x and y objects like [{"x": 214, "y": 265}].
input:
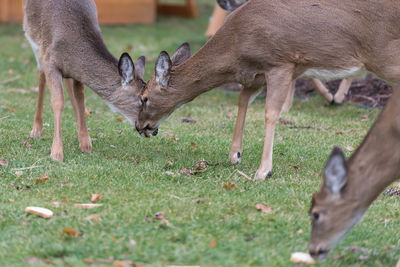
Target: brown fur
[
  {"x": 275, "y": 42},
  {"x": 71, "y": 46}
]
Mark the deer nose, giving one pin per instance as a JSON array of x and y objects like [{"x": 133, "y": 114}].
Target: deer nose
[
  {"x": 155, "y": 132},
  {"x": 318, "y": 253}
]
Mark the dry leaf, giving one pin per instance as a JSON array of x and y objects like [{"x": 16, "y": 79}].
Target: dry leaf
[
  {"x": 263, "y": 208},
  {"x": 11, "y": 71},
  {"x": 11, "y": 109},
  {"x": 93, "y": 218},
  {"x": 188, "y": 120},
  {"x": 88, "y": 261},
  {"x": 11, "y": 199},
  {"x": 118, "y": 119},
  {"x": 132, "y": 242},
  {"x": 213, "y": 243},
  {"x": 129, "y": 47},
  {"x": 159, "y": 216},
  {"x": 230, "y": 115},
  {"x": 229, "y": 186},
  {"x": 3, "y": 162},
  {"x": 26, "y": 61},
  {"x": 193, "y": 144},
  {"x": 295, "y": 168},
  {"x": 350, "y": 148},
  {"x": 27, "y": 144},
  {"x": 283, "y": 121},
  {"x": 165, "y": 223},
  {"x": 95, "y": 197},
  {"x": 186, "y": 171},
  {"x": 71, "y": 232},
  {"x": 19, "y": 173},
  {"x": 43, "y": 179},
  {"x": 119, "y": 263},
  {"x": 56, "y": 204},
  {"x": 17, "y": 90},
  {"x": 198, "y": 200},
  {"x": 88, "y": 205},
  {"x": 174, "y": 139},
  {"x": 88, "y": 112}
]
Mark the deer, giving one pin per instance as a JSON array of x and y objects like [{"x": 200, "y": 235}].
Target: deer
[
  {"x": 350, "y": 186},
  {"x": 274, "y": 42},
  {"x": 66, "y": 39}
]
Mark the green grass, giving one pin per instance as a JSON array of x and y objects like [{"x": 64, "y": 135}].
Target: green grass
[{"x": 131, "y": 174}]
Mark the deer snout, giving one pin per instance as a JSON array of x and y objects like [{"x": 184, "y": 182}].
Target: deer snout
[
  {"x": 146, "y": 131},
  {"x": 317, "y": 252}
]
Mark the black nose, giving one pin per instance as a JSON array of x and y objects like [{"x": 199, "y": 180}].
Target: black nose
[{"x": 155, "y": 132}]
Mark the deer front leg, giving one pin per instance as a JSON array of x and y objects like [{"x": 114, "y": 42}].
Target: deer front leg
[
  {"x": 38, "y": 120},
  {"x": 76, "y": 93},
  {"x": 54, "y": 80},
  {"x": 321, "y": 88},
  {"x": 341, "y": 93},
  {"x": 289, "y": 99},
  {"x": 235, "y": 154},
  {"x": 279, "y": 82}
]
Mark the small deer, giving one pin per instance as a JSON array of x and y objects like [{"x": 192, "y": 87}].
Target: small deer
[
  {"x": 274, "y": 42},
  {"x": 349, "y": 187},
  {"x": 66, "y": 39}
]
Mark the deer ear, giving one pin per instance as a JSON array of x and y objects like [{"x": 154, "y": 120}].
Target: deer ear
[
  {"x": 126, "y": 69},
  {"x": 163, "y": 69},
  {"x": 335, "y": 171},
  {"x": 181, "y": 54},
  {"x": 139, "y": 66}
]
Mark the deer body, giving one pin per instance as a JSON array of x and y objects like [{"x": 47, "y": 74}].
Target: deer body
[
  {"x": 274, "y": 42},
  {"x": 351, "y": 186},
  {"x": 66, "y": 39}
]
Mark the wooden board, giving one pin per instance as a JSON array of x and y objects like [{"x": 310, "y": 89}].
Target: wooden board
[
  {"x": 109, "y": 11},
  {"x": 187, "y": 10}
]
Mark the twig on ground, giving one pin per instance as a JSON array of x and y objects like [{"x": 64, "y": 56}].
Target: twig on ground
[
  {"x": 10, "y": 79},
  {"x": 1, "y": 119},
  {"x": 27, "y": 168},
  {"x": 244, "y": 175}
]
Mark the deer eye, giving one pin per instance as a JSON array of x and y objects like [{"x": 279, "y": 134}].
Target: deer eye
[{"x": 315, "y": 216}]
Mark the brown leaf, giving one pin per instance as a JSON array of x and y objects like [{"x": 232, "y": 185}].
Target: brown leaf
[
  {"x": 71, "y": 232},
  {"x": 118, "y": 119},
  {"x": 11, "y": 199},
  {"x": 3, "y": 162},
  {"x": 263, "y": 208},
  {"x": 230, "y": 115},
  {"x": 88, "y": 112},
  {"x": 186, "y": 171},
  {"x": 132, "y": 242},
  {"x": 95, "y": 197},
  {"x": 350, "y": 148},
  {"x": 88, "y": 261},
  {"x": 11, "y": 71},
  {"x": 296, "y": 168},
  {"x": 198, "y": 200},
  {"x": 27, "y": 61},
  {"x": 364, "y": 118},
  {"x": 283, "y": 121},
  {"x": 193, "y": 144},
  {"x": 165, "y": 223},
  {"x": 213, "y": 243},
  {"x": 11, "y": 109},
  {"x": 119, "y": 263},
  {"x": 174, "y": 139},
  {"x": 159, "y": 216},
  {"x": 229, "y": 186},
  {"x": 64, "y": 201},
  {"x": 188, "y": 120},
  {"x": 27, "y": 144},
  {"x": 129, "y": 47},
  {"x": 17, "y": 90},
  {"x": 43, "y": 179},
  {"x": 93, "y": 218}
]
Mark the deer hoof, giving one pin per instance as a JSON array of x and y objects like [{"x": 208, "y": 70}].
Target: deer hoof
[
  {"x": 86, "y": 147},
  {"x": 35, "y": 133},
  {"x": 235, "y": 158},
  {"x": 57, "y": 156},
  {"x": 260, "y": 176}
]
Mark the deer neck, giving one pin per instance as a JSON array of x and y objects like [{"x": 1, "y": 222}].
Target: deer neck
[
  {"x": 210, "y": 67},
  {"x": 376, "y": 164}
]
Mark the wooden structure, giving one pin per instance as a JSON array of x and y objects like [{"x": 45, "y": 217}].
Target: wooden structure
[
  {"x": 187, "y": 10},
  {"x": 217, "y": 19},
  {"x": 109, "y": 11}
]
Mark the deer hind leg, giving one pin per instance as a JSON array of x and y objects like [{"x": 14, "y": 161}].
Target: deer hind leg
[
  {"x": 245, "y": 97},
  {"x": 279, "y": 82},
  {"x": 321, "y": 88},
  {"x": 344, "y": 87},
  {"x": 54, "y": 81},
  {"x": 38, "y": 120},
  {"x": 76, "y": 93},
  {"x": 289, "y": 99}
]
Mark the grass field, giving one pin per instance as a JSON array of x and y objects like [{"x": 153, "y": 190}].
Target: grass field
[{"x": 140, "y": 177}]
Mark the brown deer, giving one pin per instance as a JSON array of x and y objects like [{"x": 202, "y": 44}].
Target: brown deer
[
  {"x": 66, "y": 39},
  {"x": 349, "y": 187},
  {"x": 274, "y": 42}
]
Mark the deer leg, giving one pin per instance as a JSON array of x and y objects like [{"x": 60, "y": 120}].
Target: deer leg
[
  {"x": 54, "y": 80},
  {"x": 279, "y": 82},
  {"x": 85, "y": 144},
  {"x": 344, "y": 87},
  {"x": 289, "y": 99},
  {"x": 38, "y": 120},
  {"x": 245, "y": 97},
  {"x": 321, "y": 88}
]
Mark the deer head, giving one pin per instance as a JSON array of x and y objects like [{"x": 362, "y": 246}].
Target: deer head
[
  {"x": 156, "y": 101},
  {"x": 334, "y": 209}
]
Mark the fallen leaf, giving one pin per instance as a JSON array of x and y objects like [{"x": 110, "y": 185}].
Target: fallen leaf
[
  {"x": 129, "y": 47},
  {"x": 11, "y": 59},
  {"x": 159, "y": 216},
  {"x": 114, "y": 240},
  {"x": 56, "y": 204},
  {"x": 186, "y": 171},
  {"x": 283, "y": 121},
  {"x": 263, "y": 208},
  {"x": 229, "y": 186},
  {"x": 392, "y": 192},
  {"x": 170, "y": 173},
  {"x": 198, "y": 200},
  {"x": 71, "y": 232},
  {"x": 350, "y": 148},
  {"x": 11, "y": 71},
  {"x": 93, "y": 218},
  {"x": 95, "y": 197},
  {"x": 200, "y": 166},
  {"x": 213, "y": 243},
  {"x": 11, "y": 199},
  {"x": 17, "y": 90},
  {"x": 250, "y": 238},
  {"x": 27, "y": 61},
  {"x": 88, "y": 205},
  {"x": 296, "y": 168},
  {"x": 339, "y": 133},
  {"x": 188, "y": 120},
  {"x": 43, "y": 179},
  {"x": 119, "y": 119},
  {"x": 193, "y": 144},
  {"x": 174, "y": 139},
  {"x": 88, "y": 112},
  {"x": 132, "y": 242},
  {"x": 11, "y": 109},
  {"x": 19, "y": 173},
  {"x": 27, "y": 144},
  {"x": 64, "y": 201},
  {"x": 88, "y": 261},
  {"x": 165, "y": 223},
  {"x": 230, "y": 115},
  {"x": 3, "y": 162},
  {"x": 364, "y": 118},
  {"x": 119, "y": 263},
  {"x": 280, "y": 137}
]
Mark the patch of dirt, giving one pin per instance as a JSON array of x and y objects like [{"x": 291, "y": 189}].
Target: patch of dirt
[{"x": 369, "y": 92}]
